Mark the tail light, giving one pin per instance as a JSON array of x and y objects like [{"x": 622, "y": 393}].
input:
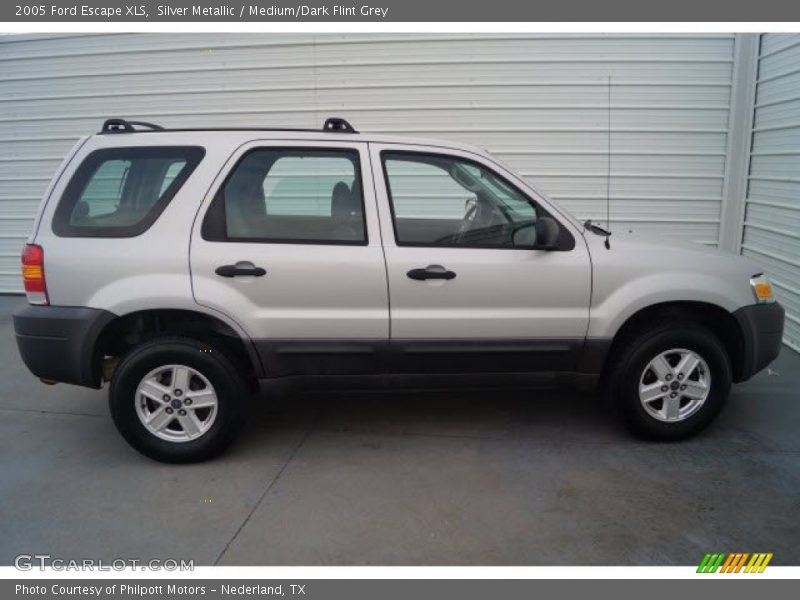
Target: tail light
[{"x": 33, "y": 274}]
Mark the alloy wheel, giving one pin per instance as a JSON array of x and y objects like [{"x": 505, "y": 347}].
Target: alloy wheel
[
  {"x": 674, "y": 385},
  {"x": 176, "y": 403}
]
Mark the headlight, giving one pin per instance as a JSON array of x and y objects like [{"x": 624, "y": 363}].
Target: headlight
[{"x": 762, "y": 288}]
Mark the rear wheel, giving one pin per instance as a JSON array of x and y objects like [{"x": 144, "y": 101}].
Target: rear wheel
[
  {"x": 178, "y": 400},
  {"x": 670, "y": 380}
]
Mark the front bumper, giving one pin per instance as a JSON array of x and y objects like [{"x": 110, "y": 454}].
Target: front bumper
[
  {"x": 762, "y": 331},
  {"x": 58, "y": 342}
]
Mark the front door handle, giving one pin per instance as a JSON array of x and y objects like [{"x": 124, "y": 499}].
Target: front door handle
[
  {"x": 240, "y": 269},
  {"x": 430, "y": 273}
]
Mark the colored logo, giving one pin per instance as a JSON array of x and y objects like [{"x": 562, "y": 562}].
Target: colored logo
[{"x": 735, "y": 562}]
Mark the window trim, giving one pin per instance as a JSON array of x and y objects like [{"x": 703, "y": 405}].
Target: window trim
[
  {"x": 213, "y": 206},
  {"x": 566, "y": 240},
  {"x": 83, "y": 174}
]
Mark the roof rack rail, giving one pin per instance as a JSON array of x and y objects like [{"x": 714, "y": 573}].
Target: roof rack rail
[
  {"x": 123, "y": 126},
  {"x": 116, "y": 125},
  {"x": 337, "y": 125}
]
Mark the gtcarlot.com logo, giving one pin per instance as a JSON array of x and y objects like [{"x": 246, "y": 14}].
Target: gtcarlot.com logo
[
  {"x": 735, "y": 562},
  {"x": 29, "y": 562}
]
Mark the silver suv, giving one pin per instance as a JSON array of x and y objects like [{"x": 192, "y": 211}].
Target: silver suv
[{"x": 191, "y": 268}]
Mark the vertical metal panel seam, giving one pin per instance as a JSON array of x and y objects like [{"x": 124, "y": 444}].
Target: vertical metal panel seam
[{"x": 740, "y": 141}]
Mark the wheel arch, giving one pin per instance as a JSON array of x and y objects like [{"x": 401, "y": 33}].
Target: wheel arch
[
  {"x": 720, "y": 321},
  {"x": 126, "y": 331}
]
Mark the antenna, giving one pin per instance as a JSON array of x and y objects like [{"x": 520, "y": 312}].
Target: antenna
[{"x": 608, "y": 169}]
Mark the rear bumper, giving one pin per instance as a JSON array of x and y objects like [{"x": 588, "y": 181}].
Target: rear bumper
[
  {"x": 58, "y": 342},
  {"x": 762, "y": 331}
]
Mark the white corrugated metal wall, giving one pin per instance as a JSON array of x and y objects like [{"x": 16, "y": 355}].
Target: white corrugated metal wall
[
  {"x": 537, "y": 101},
  {"x": 772, "y": 215}
]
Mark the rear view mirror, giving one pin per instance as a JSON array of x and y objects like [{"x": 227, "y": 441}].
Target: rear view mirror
[{"x": 547, "y": 233}]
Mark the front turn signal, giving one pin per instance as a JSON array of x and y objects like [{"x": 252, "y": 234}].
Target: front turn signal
[{"x": 762, "y": 288}]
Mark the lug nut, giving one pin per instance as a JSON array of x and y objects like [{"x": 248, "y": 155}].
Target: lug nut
[
  {"x": 169, "y": 411},
  {"x": 683, "y": 387},
  {"x": 673, "y": 394},
  {"x": 664, "y": 388},
  {"x": 668, "y": 377},
  {"x": 680, "y": 375},
  {"x": 188, "y": 401},
  {"x": 182, "y": 412},
  {"x": 165, "y": 398},
  {"x": 178, "y": 392}
]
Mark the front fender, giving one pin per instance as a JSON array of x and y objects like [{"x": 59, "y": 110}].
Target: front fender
[{"x": 610, "y": 311}]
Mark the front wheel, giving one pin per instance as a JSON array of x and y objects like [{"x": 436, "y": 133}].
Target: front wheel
[
  {"x": 177, "y": 400},
  {"x": 670, "y": 380}
]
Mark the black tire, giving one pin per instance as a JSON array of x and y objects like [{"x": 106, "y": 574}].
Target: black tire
[
  {"x": 644, "y": 345},
  {"x": 226, "y": 379}
]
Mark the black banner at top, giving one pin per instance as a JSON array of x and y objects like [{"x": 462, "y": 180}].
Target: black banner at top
[{"x": 127, "y": 11}]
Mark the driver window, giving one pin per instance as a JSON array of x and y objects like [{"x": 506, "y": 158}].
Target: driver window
[{"x": 440, "y": 200}]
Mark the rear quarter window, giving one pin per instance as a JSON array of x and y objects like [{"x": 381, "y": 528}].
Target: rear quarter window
[{"x": 120, "y": 192}]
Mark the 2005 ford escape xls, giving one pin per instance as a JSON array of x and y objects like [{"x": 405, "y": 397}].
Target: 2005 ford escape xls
[{"x": 191, "y": 267}]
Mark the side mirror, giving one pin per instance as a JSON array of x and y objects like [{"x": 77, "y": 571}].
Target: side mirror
[
  {"x": 524, "y": 235},
  {"x": 547, "y": 232}
]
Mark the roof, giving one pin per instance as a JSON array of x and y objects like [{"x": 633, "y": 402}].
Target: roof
[{"x": 333, "y": 129}]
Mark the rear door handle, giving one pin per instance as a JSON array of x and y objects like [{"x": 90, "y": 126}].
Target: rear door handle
[
  {"x": 240, "y": 269},
  {"x": 429, "y": 273}
]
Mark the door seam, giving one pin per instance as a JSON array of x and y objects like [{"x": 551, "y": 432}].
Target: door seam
[{"x": 383, "y": 246}]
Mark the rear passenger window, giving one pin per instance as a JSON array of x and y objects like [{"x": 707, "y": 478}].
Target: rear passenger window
[
  {"x": 290, "y": 195},
  {"x": 120, "y": 192}
]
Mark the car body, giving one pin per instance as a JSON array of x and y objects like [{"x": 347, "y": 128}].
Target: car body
[{"x": 297, "y": 253}]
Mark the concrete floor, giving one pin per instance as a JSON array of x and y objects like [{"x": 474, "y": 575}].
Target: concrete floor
[{"x": 526, "y": 477}]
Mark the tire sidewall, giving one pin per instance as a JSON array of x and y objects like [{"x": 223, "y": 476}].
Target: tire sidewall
[
  {"x": 648, "y": 346},
  {"x": 215, "y": 367}
]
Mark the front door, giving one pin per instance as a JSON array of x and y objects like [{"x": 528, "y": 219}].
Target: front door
[
  {"x": 468, "y": 291},
  {"x": 290, "y": 248}
]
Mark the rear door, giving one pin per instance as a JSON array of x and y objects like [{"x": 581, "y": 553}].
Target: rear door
[
  {"x": 468, "y": 291},
  {"x": 288, "y": 245}
]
